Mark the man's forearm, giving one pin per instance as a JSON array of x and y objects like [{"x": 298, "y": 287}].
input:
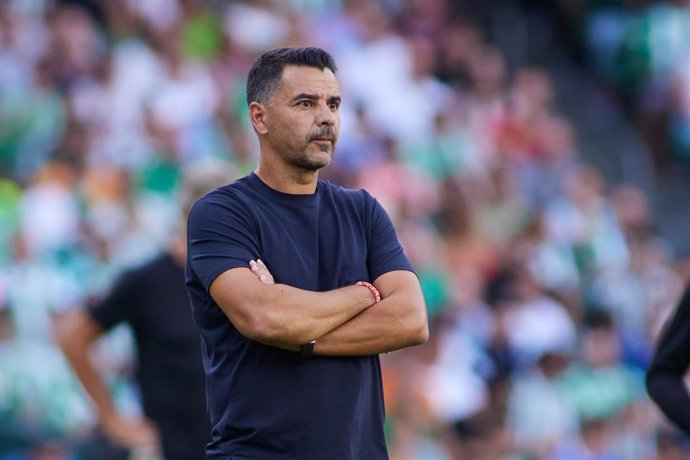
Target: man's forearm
[
  {"x": 297, "y": 323},
  {"x": 397, "y": 321},
  {"x": 281, "y": 315},
  {"x": 93, "y": 384},
  {"x": 75, "y": 334},
  {"x": 389, "y": 325}
]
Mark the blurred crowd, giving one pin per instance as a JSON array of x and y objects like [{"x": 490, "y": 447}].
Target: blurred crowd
[
  {"x": 546, "y": 284},
  {"x": 640, "y": 50}
]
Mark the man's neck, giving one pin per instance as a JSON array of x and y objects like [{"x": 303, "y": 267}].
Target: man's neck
[{"x": 288, "y": 180}]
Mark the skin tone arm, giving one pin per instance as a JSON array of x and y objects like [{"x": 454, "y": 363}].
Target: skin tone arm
[
  {"x": 281, "y": 315},
  {"x": 399, "y": 320},
  {"x": 76, "y": 331}
]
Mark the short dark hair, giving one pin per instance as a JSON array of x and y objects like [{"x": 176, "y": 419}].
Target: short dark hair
[{"x": 264, "y": 76}]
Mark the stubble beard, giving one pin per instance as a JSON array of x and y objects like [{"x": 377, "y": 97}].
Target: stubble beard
[
  {"x": 302, "y": 158},
  {"x": 311, "y": 162},
  {"x": 309, "y": 155}
]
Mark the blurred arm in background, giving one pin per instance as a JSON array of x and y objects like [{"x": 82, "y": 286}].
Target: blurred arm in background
[
  {"x": 665, "y": 376},
  {"x": 76, "y": 332}
]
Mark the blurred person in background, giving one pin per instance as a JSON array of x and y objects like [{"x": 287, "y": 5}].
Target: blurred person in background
[
  {"x": 665, "y": 376},
  {"x": 607, "y": 394},
  {"x": 291, "y": 354},
  {"x": 152, "y": 299},
  {"x": 538, "y": 414}
]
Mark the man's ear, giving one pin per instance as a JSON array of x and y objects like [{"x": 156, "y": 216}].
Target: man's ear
[{"x": 257, "y": 116}]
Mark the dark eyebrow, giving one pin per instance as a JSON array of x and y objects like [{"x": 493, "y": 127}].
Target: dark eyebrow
[
  {"x": 313, "y": 97},
  {"x": 300, "y": 96}
]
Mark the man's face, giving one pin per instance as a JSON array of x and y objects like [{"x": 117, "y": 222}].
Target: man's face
[{"x": 303, "y": 119}]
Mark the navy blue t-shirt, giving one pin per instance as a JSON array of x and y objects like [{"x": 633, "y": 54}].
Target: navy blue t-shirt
[{"x": 263, "y": 403}]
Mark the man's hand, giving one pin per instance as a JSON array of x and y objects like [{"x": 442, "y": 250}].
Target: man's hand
[
  {"x": 130, "y": 432},
  {"x": 76, "y": 330},
  {"x": 261, "y": 271}
]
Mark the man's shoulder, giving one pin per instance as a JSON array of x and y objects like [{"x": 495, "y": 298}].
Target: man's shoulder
[
  {"x": 237, "y": 187},
  {"x": 230, "y": 204},
  {"x": 236, "y": 191}
]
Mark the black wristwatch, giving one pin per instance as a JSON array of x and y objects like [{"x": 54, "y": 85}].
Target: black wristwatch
[{"x": 307, "y": 350}]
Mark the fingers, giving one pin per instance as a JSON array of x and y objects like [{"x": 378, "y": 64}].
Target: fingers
[
  {"x": 132, "y": 433},
  {"x": 261, "y": 271},
  {"x": 147, "y": 435}
]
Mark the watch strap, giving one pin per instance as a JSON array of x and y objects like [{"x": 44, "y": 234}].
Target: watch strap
[{"x": 307, "y": 350}]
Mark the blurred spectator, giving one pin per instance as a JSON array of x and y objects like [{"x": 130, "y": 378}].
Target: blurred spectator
[
  {"x": 641, "y": 53},
  {"x": 599, "y": 384},
  {"x": 603, "y": 391},
  {"x": 524, "y": 311},
  {"x": 151, "y": 298},
  {"x": 539, "y": 415},
  {"x": 584, "y": 219}
]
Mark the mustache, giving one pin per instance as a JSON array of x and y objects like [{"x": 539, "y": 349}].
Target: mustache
[{"x": 327, "y": 132}]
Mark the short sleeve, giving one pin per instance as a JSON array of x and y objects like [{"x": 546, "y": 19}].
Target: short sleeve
[
  {"x": 119, "y": 304},
  {"x": 385, "y": 251},
  {"x": 221, "y": 235}
]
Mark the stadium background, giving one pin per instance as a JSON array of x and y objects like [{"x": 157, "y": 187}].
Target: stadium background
[{"x": 534, "y": 156}]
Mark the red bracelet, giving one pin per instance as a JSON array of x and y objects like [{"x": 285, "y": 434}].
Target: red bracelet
[{"x": 372, "y": 288}]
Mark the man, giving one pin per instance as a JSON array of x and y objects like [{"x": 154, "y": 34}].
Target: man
[
  {"x": 291, "y": 354},
  {"x": 666, "y": 373},
  {"x": 152, "y": 299}
]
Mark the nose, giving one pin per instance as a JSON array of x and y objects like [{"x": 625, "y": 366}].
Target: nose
[{"x": 325, "y": 116}]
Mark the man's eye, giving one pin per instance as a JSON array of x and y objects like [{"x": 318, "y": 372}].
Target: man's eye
[
  {"x": 334, "y": 106},
  {"x": 305, "y": 103}
]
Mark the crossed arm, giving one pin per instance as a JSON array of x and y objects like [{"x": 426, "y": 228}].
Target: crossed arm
[{"x": 344, "y": 321}]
